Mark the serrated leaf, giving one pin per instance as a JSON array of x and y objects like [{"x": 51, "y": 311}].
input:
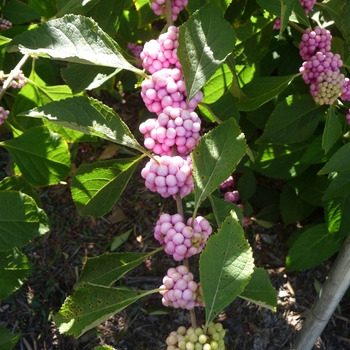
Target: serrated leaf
[
  {"x": 81, "y": 77},
  {"x": 90, "y": 117},
  {"x": 18, "y": 183},
  {"x": 314, "y": 246},
  {"x": 205, "y": 41},
  {"x": 293, "y": 208},
  {"x": 223, "y": 109},
  {"x": 14, "y": 268},
  {"x": 293, "y": 120},
  {"x": 97, "y": 186},
  {"x": 109, "y": 268},
  {"x": 41, "y": 155},
  {"x": 226, "y": 265},
  {"x": 20, "y": 220},
  {"x": 18, "y": 12},
  {"x": 246, "y": 185},
  {"x": 339, "y": 161},
  {"x": 216, "y": 157},
  {"x": 72, "y": 38},
  {"x": 260, "y": 290},
  {"x": 92, "y": 304},
  {"x": 339, "y": 187},
  {"x": 336, "y": 215},
  {"x": 332, "y": 130},
  {"x": 222, "y": 209},
  {"x": 280, "y": 161},
  {"x": 261, "y": 90},
  {"x": 8, "y": 340}
]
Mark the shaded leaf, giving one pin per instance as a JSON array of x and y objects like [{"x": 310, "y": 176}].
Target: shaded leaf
[
  {"x": 97, "y": 186},
  {"x": 226, "y": 265},
  {"x": 8, "y": 340},
  {"x": 109, "y": 268},
  {"x": 205, "y": 41},
  {"x": 339, "y": 161},
  {"x": 92, "y": 304},
  {"x": 314, "y": 246},
  {"x": 332, "y": 130},
  {"x": 41, "y": 155},
  {"x": 20, "y": 220},
  {"x": 14, "y": 267},
  {"x": 90, "y": 117},
  {"x": 222, "y": 209},
  {"x": 293, "y": 120},
  {"x": 260, "y": 290},
  {"x": 262, "y": 89},
  {"x": 216, "y": 157}
]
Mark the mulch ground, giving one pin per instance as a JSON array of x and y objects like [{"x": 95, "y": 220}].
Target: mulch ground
[{"x": 58, "y": 258}]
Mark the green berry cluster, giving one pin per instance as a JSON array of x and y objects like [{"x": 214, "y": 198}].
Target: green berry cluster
[{"x": 196, "y": 339}]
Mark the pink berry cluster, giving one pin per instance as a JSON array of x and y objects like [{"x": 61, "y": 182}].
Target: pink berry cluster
[
  {"x": 18, "y": 81},
  {"x": 312, "y": 41},
  {"x": 169, "y": 175},
  {"x": 3, "y": 115},
  {"x": 174, "y": 127},
  {"x": 5, "y": 24},
  {"x": 347, "y": 117},
  {"x": 158, "y": 7},
  {"x": 195, "y": 338},
  {"x": 307, "y": 5},
  {"x": 321, "y": 68},
  {"x": 180, "y": 290},
  {"x": 182, "y": 240},
  {"x": 136, "y": 50}
]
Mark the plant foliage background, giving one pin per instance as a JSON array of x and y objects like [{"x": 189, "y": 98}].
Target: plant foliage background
[{"x": 261, "y": 124}]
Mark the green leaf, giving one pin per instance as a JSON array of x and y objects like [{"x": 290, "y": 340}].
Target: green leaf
[
  {"x": 46, "y": 8},
  {"x": 336, "y": 215},
  {"x": 332, "y": 130},
  {"x": 293, "y": 208},
  {"x": 300, "y": 15},
  {"x": 109, "y": 268},
  {"x": 253, "y": 39},
  {"x": 262, "y": 89},
  {"x": 314, "y": 246},
  {"x": 92, "y": 304},
  {"x": 222, "y": 209},
  {"x": 205, "y": 41},
  {"x": 333, "y": 9},
  {"x": 72, "y": 38},
  {"x": 20, "y": 220},
  {"x": 14, "y": 267},
  {"x": 97, "y": 186},
  {"x": 18, "y": 12},
  {"x": 18, "y": 183},
  {"x": 41, "y": 155},
  {"x": 90, "y": 117},
  {"x": 223, "y": 109},
  {"x": 8, "y": 340},
  {"x": 286, "y": 10},
  {"x": 226, "y": 265},
  {"x": 216, "y": 157},
  {"x": 345, "y": 15},
  {"x": 339, "y": 161},
  {"x": 246, "y": 185},
  {"x": 293, "y": 120},
  {"x": 64, "y": 6},
  {"x": 217, "y": 85},
  {"x": 80, "y": 77},
  {"x": 260, "y": 290},
  {"x": 314, "y": 192},
  {"x": 314, "y": 154},
  {"x": 339, "y": 187},
  {"x": 145, "y": 13},
  {"x": 280, "y": 161},
  {"x": 272, "y": 6},
  {"x": 120, "y": 240}
]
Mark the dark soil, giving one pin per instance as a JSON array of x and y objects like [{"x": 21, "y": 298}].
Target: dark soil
[{"x": 58, "y": 258}]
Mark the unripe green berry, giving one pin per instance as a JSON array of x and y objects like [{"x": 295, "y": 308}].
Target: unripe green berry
[
  {"x": 193, "y": 337},
  {"x": 221, "y": 342},
  {"x": 214, "y": 345},
  {"x": 222, "y": 333},
  {"x": 189, "y": 346},
  {"x": 172, "y": 339},
  {"x": 215, "y": 336},
  {"x": 182, "y": 330},
  {"x": 211, "y": 329},
  {"x": 218, "y": 327},
  {"x": 198, "y": 346},
  {"x": 190, "y": 331},
  {"x": 199, "y": 331},
  {"x": 182, "y": 345},
  {"x": 206, "y": 347},
  {"x": 202, "y": 338}
]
